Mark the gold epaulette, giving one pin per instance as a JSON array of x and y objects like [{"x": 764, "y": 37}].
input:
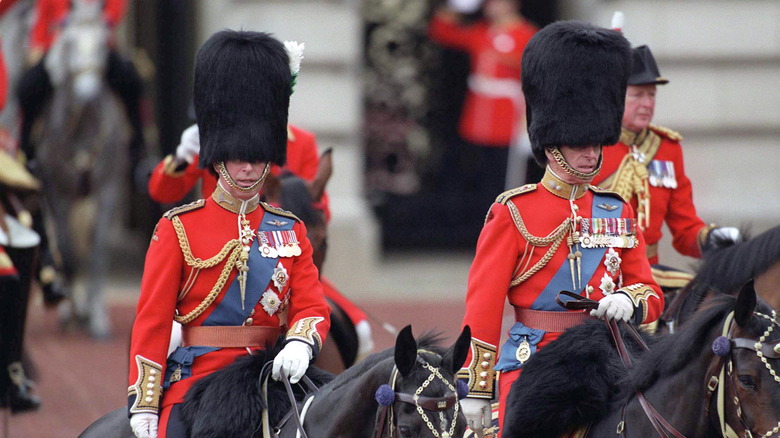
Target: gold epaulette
[
  {"x": 279, "y": 211},
  {"x": 601, "y": 191},
  {"x": 175, "y": 211},
  {"x": 509, "y": 194},
  {"x": 666, "y": 132}
]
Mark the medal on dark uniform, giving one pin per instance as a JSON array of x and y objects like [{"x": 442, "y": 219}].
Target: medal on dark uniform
[{"x": 523, "y": 352}]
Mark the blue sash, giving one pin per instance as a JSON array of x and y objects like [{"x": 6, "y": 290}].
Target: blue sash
[
  {"x": 591, "y": 258},
  {"x": 229, "y": 311}
]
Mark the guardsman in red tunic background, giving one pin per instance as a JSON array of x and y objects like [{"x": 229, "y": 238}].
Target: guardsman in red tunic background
[
  {"x": 234, "y": 271},
  {"x": 647, "y": 169},
  {"x": 562, "y": 233},
  {"x": 175, "y": 176},
  {"x": 493, "y": 110}
]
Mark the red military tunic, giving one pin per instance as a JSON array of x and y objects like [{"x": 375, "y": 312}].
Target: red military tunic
[
  {"x": 167, "y": 185},
  {"x": 494, "y": 103},
  {"x": 190, "y": 273},
  {"x": 49, "y": 15},
  {"x": 523, "y": 255},
  {"x": 660, "y": 179}
]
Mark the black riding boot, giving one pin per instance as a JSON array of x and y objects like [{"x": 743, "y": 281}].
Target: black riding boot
[
  {"x": 33, "y": 91},
  {"x": 15, "y": 387},
  {"x": 50, "y": 273}
]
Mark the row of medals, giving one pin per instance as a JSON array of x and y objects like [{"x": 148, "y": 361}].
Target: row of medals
[{"x": 290, "y": 249}]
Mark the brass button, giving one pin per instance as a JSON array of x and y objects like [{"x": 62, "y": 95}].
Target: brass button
[{"x": 249, "y": 321}]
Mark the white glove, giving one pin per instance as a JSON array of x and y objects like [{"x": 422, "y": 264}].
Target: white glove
[
  {"x": 477, "y": 412},
  {"x": 144, "y": 425},
  {"x": 616, "y": 306},
  {"x": 725, "y": 233},
  {"x": 365, "y": 342},
  {"x": 464, "y": 6},
  {"x": 190, "y": 144},
  {"x": 292, "y": 361}
]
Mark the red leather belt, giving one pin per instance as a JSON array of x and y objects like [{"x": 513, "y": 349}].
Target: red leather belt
[
  {"x": 229, "y": 336},
  {"x": 550, "y": 321}
]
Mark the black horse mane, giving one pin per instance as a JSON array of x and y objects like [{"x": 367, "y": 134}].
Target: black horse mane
[
  {"x": 567, "y": 384},
  {"x": 428, "y": 341},
  {"x": 673, "y": 352},
  {"x": 726, "y": 268},
  {"x": 577, "y": 379},
  {"x": 228, "y": 402}
]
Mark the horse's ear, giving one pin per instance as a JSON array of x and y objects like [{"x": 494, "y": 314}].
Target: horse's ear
[
  {"x": 746, "y": 304},
  {"x": 456, "y": 355},
  {"x": 405, "y": 351},
  {"x": 324, "y": 171},
  {"x": 272, "y": 189}
]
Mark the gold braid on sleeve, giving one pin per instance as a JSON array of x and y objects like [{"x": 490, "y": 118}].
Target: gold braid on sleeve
[
  {"x": 231, "y": 251},
  {"x": 553, "y": 240}
]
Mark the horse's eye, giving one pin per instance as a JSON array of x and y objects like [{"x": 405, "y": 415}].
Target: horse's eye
[
  {"x": 405, "y": 430},
  {"x": 747, "y": 382}
]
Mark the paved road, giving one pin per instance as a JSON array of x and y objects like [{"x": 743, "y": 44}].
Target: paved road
[{"x": 80, "y": 379}]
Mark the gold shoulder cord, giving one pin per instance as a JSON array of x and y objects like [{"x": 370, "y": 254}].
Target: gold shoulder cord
[
  {"x": 232, "y": 246},
  {"x": 554, "y": 240}
]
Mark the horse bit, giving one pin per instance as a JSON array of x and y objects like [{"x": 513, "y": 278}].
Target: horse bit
[{"x": 386, "y": 396}]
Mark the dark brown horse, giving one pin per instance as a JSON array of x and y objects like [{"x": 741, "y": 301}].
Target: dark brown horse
[
  {"x": 725, "y": 269},
  {"x": 725, "y": 352},
  {"x": 409, "y": 391}
]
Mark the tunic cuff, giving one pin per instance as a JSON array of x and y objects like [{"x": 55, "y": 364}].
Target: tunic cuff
[
  {"x": 480, "y": 373},
  {"x": 145, "y": 394}
]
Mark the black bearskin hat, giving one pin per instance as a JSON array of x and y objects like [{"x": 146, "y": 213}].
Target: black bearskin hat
[
  {"x": 241, "y": 98},
  {"x": 644, "y": 70},
  {"x": 574, "y": 80}
]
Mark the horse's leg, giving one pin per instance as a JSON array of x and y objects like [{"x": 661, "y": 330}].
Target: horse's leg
[{"x": 99, "y": 262}]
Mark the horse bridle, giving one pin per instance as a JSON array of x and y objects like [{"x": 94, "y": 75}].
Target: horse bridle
[
  {"x": 722, "y": 366},
  {"x": 656, "y": 419},
  {"x": 421, "y": 402}
]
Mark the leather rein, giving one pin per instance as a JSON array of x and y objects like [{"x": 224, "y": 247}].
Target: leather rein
[
  {"x": 294, "y": 413},
  {"x": 663, "y": 427}
]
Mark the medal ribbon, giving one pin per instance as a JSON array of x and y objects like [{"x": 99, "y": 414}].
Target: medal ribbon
[{"x": 591, "y": 260}]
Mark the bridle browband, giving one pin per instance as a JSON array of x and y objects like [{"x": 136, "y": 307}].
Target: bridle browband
[{"x": 387, "y": 395}]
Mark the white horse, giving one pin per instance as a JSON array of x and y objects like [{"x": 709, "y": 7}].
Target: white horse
[{"x": 82, "y": 152}]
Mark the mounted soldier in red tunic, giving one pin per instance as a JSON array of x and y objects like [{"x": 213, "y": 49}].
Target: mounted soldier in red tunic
[{"x": 234, "y": 271}]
